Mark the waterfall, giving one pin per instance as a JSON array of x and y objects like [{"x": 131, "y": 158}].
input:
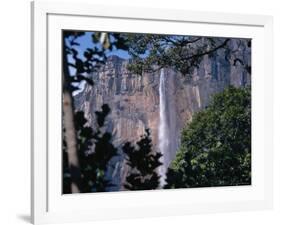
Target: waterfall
[{"x": 163, "y": 129}]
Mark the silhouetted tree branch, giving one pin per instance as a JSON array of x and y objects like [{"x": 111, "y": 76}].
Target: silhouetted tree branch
[{"x": 94, "y": 58}]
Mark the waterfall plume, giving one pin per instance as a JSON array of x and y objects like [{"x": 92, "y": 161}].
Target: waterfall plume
[{"x": 163, "y": 132}]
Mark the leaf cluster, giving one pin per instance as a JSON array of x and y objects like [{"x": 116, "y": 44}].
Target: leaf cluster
[
  {"x": 95, "y": 150},
  {"x": 93, "y": 58},
  {"x": 143, "y": 163}
]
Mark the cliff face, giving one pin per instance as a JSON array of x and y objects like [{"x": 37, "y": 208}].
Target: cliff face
[{"x": 134, "y": 99}]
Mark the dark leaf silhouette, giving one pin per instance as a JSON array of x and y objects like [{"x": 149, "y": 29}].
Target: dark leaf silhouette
[
  {"x": 95, "y": 151},
  {"x": 91, "y": 172},
  {"x": 143, "y": 163}
]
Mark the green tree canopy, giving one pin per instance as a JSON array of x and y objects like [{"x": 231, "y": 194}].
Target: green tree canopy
[{"x": 216, "y": 146}]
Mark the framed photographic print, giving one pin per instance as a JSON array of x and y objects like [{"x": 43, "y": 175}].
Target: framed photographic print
[{"x": 147, "y": 112}]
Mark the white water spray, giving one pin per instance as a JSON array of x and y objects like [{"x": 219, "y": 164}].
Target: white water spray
[{"x": 163, "y": 130}]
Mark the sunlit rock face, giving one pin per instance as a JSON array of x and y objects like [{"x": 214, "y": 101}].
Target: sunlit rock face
[{"x": 134, "y": 99}]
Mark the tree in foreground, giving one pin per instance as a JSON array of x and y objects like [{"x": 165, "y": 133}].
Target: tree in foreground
[
  {"x": 216, "y": 146},
  {"x": 143, "y": 164},
  {"x": 93, "y": 58},
  {"x": 95, "y": 152}
]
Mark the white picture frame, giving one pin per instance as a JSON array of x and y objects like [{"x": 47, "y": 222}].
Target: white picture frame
[{"x": 48, "y": 205}]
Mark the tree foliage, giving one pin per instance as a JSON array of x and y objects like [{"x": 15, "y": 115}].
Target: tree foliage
[
  {"x": 93, "y": 161},
  {"x": 152, "y": 52},
  {"x": 143, "y": 163},
  {"x": 78, "y": 175},
  {"x": 216, "y": 146},
  {"x": 93, "y": 58}
]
